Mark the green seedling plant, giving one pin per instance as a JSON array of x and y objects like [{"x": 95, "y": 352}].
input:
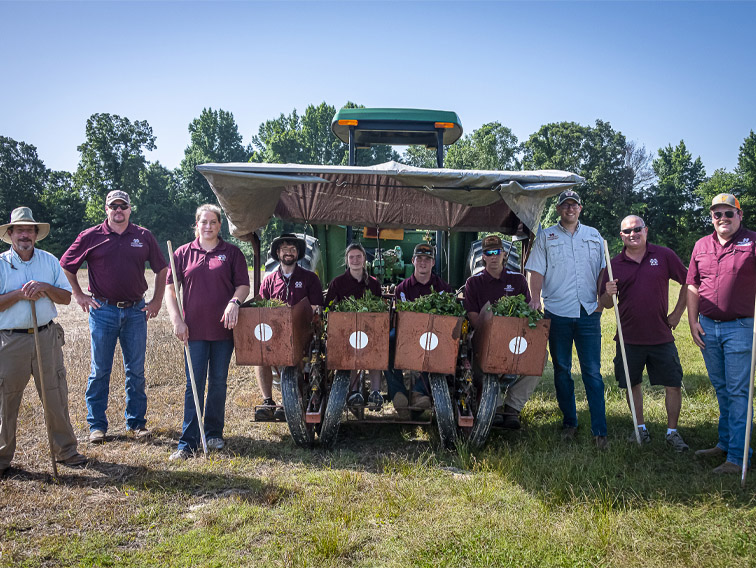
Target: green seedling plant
[
  {"x": 516, "y": 307},
  {"x": 264, "y": 303},
  {"x": 437, "y": 303},
  {"x": 368, "y": 303}
]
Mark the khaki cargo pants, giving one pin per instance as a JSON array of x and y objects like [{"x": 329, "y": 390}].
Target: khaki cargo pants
[{"x": 18, "y": 361}]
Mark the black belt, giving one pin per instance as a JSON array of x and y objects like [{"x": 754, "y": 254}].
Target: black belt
[
  {"x": 121, "y": 304},
  {"x": 28, "y": 330}
]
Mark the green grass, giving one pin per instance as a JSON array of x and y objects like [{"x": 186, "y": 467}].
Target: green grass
[{"x": 386, "y": 496}]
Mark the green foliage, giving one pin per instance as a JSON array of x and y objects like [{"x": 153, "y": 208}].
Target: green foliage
[
  {"x": 515, "y": 307},
  {"x": 673, "y": 212},
  {"x": 265, "y": 303},
  {"x": 112, "y": 157},
  {"x": 490, "y": 147},
  {"x": 434, "y": 303},
  {"x": 598, "y": 153},
  {"x": 64, "y": 209},
  {"x": 23, "y": 177},
  {"x": 214, "y": 138},
  {"x": 368, "y": 303}
]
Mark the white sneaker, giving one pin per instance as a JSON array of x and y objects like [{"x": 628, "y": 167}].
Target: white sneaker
[
  {"x": 180, "y": 455},
  {"x": 97, "y": 436},
  {"x": 216, "y": 443}
]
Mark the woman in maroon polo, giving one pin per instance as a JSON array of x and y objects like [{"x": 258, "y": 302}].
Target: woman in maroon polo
[
  {"x": 354, "y": 282},
  {"x": 215, "y": 281}
]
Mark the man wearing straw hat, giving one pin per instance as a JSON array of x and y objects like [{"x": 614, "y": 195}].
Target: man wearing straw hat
[
  {"x": 31, "y": 275},
  {"x": 567, "y": 264},
  {"x": 642, "y": 272},
  {"x": 721, "y": 282},
  {"x": 116, "y": 252}
]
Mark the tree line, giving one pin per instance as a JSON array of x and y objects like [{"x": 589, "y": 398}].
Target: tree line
[{"x": 669, "y": 189}]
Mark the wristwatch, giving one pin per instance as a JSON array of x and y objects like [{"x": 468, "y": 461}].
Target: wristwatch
[{"x": 235, "y": 301}]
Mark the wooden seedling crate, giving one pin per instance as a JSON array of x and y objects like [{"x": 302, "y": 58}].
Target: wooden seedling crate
[
  {"x": 273, "y": 336},
  {"x": 508, "y": 346},
  {"x": 427, "y": 342},
  {"x": 357, "y": 340}
]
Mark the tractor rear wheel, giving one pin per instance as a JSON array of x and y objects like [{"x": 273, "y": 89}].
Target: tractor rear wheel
[
  {"x": 334, "y": 409},
  {"x": 444, "y": 411},
  {"x": 295, "y": 405}
]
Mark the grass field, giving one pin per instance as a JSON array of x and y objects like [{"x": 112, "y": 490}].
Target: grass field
[{"x": 385, "y": 497}]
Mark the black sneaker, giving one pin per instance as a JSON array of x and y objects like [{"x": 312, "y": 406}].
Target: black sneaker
[{"x": 375, "y": 401}]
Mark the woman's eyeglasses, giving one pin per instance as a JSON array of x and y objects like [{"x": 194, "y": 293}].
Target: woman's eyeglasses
[
  {"x": 728, "y": 214},
  {"x": 632, "y": 230}
]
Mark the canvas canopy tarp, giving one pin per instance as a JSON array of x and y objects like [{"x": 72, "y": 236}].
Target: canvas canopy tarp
[{"x": 389, "y": 195}]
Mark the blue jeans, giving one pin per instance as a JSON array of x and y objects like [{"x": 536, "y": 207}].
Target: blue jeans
[
  {"x": 728, "y": 362},
  {"x": 395, "y": 377},
  {"x": 108, "y": 325},
  {"x": 585, "y": 332},
  {"x": 210, "y": 360}
]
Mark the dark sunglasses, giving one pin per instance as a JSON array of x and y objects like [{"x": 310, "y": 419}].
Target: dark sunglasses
[
  {"x": 494, "y": 252},
  {"x": 633, "y": 230},
  {"x": 116, "y": 206},
  {"x": 728, "y": 214}
]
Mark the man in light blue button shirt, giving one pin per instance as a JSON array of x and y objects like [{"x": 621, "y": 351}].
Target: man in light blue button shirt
[
  {"x": 566, "y": 266},
  {"x": 31, "y": 275}
]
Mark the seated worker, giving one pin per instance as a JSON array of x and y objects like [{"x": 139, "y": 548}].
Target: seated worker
[
  {"x": 289, "y": 283},
  {"x": 422, "y": 282},
  {"x": 354, "y": 282},
  {"x": 488, "y": 286}
]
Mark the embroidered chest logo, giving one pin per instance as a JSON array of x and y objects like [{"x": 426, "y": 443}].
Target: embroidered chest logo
[
  {"x": 653, "y": 262},
  {"x": 137, "y": 243},
  {"x": 298, "y": 284},
  {"x": 221, "y": 257},
  {"x": 744, "y": 243},
  {"x": 552, "y": 237},
  {"x": 509, "y": 288}
]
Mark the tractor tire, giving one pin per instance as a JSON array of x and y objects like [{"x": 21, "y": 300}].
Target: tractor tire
[
  {"x": 489, "y": 397},
  {"x": 444, "y": 410},
  {"x": 294, "y": 407},
  {"x": 334, "y": 409}
]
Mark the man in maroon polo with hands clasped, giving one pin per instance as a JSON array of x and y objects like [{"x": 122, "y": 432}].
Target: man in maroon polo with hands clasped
[
  {"x": 642, "y": 272},
  {"x": 116, "y": 252}
]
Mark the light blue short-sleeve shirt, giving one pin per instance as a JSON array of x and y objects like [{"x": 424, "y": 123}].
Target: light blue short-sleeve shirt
[
  {"x": 570, "y": 264},
  {"x": 14, "y": 273}
]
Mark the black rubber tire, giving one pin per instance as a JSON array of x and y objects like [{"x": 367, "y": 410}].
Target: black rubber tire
[
  {"x": 334, "y": 409},
  {"x": 489, "y": 397},
  {"x": 294, "y": 406},
  {"x": 444, "y": 411}
]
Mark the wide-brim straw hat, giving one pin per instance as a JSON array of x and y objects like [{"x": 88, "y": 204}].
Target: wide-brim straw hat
[{"x": 23, "y": 216}]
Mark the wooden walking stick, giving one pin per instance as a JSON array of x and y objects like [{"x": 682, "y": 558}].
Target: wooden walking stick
[
  {"x": 197, "y": 407},
  {"x": 622, "y": 346},
  {"x": 42, "y": 388},
  {"x": 749, "y": 417}
]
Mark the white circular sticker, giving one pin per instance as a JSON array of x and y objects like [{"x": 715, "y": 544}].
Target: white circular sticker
[
  {"x": 518, "y": 345},
  {"x": 358, "y": 339},
  {"x": 429, "y": 341},
  {"x": 263, "y": 332}
]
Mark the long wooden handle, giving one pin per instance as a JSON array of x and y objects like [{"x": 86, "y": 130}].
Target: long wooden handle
[
  {"x": 628, "y": 383},
  {"x": 43, "y": 388}
]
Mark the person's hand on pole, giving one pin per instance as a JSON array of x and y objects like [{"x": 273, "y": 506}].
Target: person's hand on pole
[
  {"x": 612, "y": 288},
  {"x": 181, "y": 330}
]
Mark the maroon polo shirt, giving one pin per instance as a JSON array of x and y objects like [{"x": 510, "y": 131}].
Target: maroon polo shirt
[
  {"x": 483, "y": 288},
  {"x": 410, "y": 289},
  {"x": 725, "y": 275},
  {"x": 301, "y": 284},
  {"x": 345, "y": 285},
  {"x": 115, "y": 262},
  {"x": 209, "y": 279},
  {"x": 643, "y": 293}
]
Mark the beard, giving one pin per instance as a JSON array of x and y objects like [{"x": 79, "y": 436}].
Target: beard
[{"x": 289, "y": 260}]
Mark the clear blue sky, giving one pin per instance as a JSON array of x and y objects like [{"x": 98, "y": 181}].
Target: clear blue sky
[{"x": 659, "y": 72}]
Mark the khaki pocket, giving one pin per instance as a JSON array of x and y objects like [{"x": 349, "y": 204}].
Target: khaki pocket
[{"x": 60, "y": 335}]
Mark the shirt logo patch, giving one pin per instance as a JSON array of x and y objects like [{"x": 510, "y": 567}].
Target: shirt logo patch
[
  {"x": 653, "y": 262},
  {"x": 297, "y": 284},
  {"x": 552, "y": 237},
  {"x": 221, "y": 257},
  {"x": 744, "y": 243},
  {"x": 137, "y": 243},
  {"x": 509, "y": 288}
]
